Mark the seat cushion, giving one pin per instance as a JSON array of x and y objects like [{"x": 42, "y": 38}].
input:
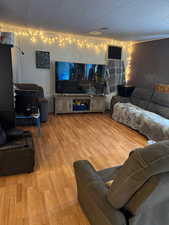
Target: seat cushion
[
  {"x": 141, "y": 97},
  {"x": 142, "y": 164}
]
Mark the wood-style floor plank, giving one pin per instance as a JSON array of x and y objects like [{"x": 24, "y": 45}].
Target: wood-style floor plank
[{"x": 48, "y": 195}]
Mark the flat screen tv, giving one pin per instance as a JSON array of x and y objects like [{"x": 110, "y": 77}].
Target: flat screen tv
[{"x": 79, "y": 78}]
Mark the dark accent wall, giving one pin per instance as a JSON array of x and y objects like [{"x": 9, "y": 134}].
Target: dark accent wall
[{"x": 150, "y": 64}]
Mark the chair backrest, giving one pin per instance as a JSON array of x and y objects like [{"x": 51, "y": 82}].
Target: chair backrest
[
  {"x": 151, "y": 100},
  {"x": 141, "y": 97},
  {"x": 160, "y": 104}
]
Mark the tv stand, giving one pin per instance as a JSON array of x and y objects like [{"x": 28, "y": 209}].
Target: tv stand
[{"x": 78, "y": 103}]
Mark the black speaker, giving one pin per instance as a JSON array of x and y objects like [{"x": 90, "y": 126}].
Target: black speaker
[{"x": 114, "y": 52}]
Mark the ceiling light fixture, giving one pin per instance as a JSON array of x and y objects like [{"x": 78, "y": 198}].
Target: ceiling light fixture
[{"x": 104, "y": 29}]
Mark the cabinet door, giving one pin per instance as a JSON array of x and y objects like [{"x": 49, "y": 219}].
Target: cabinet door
[
  {"x": 98, "y": 104},
  {"x": 63, "y": 105}
]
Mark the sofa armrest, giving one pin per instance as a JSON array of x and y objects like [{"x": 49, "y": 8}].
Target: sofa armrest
[
  {"x": 92, "y": 195},
  {"x": 116, "y": 99}
]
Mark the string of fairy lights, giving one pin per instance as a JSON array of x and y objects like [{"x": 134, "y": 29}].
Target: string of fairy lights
[
  {"x": 66, "y": 39},
  {"x": 129, "y": 60}
]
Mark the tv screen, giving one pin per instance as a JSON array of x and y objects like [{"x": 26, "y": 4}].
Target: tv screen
[{"x": 79, "y": 77}]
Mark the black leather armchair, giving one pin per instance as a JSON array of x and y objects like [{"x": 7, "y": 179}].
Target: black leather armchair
[
  {"x": 42, "y": 101},
  {"x": 16, "y": 152}
]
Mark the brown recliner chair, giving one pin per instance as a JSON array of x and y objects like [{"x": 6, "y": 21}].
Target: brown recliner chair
[{"x": 138, "y": 194}]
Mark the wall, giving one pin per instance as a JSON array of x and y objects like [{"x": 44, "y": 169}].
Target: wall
[
  {"x": 24, "y": 67},
  {"x": 150, "y": 64}
]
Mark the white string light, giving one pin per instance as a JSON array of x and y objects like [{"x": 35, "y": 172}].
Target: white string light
[
  {"x": 129, "y": 59},
  {"x": 64, "y": 39},
  {"x": 51, "y": 37}
]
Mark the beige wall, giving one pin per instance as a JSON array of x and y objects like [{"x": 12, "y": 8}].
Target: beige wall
[{"x": 24, "y": 68}]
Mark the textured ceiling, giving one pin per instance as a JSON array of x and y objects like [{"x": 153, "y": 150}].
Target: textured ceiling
[{"x": 125, "y": 19}]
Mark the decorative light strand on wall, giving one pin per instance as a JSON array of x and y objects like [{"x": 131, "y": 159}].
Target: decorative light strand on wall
[
  {"x": 63, "y": 39},
  {"x": 129, "y": 58}
]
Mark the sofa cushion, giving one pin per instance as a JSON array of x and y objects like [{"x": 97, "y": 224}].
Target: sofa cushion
[
  {"x": 159, "y": 109},
  {"x": 161, "y": 98},
  {"x": 160, "y": 104},
  {"x": 141, "y": 97},
  {"x": 142, "y": 164}
]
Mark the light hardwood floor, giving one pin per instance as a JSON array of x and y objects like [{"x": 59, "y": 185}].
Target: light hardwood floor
[{"x": 48, "y": 196}]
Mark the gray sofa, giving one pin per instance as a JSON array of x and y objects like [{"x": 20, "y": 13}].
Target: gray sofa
[
  {"x": 138, "y": 194},
  {"x": 154, "y": 125}
]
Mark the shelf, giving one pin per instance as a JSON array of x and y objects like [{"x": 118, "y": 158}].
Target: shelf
[
  {"x": 81, "y": 111},
  {"x": 79, "y": 104}
]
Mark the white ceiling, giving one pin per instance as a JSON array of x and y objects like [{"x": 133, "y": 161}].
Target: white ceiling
[{"x": 125, "y": 19}]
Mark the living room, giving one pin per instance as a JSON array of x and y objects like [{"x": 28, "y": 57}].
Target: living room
[{"x": 84, "y": 113}]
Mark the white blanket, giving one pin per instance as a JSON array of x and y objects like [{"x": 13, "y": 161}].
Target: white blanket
[{"x": 152, "y": 125}]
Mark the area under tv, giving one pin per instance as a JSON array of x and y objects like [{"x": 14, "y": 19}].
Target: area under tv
[{"x": 79, "y": 103}]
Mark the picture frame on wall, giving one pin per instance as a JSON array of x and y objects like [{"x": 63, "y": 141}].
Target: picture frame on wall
[
  {"x": 42, "y": 59},
  {"x": 7, "y": 38}
]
